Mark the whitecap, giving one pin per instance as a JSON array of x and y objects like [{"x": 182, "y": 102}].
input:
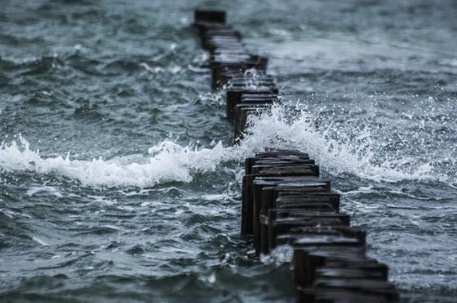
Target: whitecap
[
  {"x": 40, "y": 241},
  {"x": 168, "y": 161}
]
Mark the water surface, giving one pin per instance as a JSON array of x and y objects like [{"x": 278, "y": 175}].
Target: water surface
[{"x": 118, "y": 178}]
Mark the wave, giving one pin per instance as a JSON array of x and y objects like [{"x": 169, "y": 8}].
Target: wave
[
  {"x": 342, "y": 154},
  {"x": 169, "y": 161}
]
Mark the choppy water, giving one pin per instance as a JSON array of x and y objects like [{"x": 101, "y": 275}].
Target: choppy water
[{"x": 118, "y": 181}]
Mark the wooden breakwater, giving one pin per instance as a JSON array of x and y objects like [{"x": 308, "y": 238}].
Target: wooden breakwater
[{"x": 284, "y": 201}]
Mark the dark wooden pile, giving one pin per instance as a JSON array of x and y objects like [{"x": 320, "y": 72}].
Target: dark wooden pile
[
  {"x": 249, "y": 89},
  {"x": 284, "y": 201}
]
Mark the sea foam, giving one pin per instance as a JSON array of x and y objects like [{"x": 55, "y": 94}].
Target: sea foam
[{"x": 168, "y": 161}]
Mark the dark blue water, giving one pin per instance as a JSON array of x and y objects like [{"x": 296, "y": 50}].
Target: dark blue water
[{"x": 118, "y": 180}]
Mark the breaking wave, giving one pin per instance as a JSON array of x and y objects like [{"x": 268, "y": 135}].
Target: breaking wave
[{"x": 169, "y": 161}]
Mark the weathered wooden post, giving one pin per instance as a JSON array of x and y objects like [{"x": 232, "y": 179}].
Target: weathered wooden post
[{"x": 284, "y": 201}]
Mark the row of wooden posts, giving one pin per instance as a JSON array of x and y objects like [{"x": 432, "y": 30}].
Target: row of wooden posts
[{"x": 284, "y": 201}]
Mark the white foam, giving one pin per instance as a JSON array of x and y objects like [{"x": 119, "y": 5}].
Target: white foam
[
  {"x": 357, "y": 155},
  {"x": 168, "y": 161},
  {"x": 40, "y": 241},
  {"x": 43, "y": 189}
]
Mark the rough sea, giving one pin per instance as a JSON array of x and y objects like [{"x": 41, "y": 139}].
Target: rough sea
[{"x": 119, "y": 181}]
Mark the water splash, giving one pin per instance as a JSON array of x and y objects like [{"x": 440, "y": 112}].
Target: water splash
[
  {"x": 342, "y": 154},
  {"x": 168, "y": 161}
]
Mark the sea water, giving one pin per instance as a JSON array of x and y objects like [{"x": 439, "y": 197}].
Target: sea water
[{"x": 119, "y": 181}]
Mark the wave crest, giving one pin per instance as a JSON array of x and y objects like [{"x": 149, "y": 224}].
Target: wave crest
[{"x": 169, "y": 161}]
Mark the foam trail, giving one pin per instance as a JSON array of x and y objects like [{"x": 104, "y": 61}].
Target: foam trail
[{"x": 168, "y": 161}]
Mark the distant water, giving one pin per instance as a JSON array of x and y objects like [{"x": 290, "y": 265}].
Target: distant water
[{"x": 118, "y": 178}]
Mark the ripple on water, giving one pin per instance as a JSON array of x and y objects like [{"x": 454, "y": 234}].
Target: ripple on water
[{"x": 127, "y": 187}]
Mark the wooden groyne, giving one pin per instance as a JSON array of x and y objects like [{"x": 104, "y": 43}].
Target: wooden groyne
[{"x": 284, "y": 201}]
